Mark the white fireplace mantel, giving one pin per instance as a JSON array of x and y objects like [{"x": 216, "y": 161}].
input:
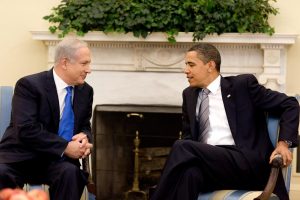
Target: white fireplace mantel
[{"x": 126, "y": 69}]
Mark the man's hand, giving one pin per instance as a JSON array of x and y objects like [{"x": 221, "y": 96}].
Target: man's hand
[
  {"x": 79, "y": 147},
  {"x": 283, "y": 149}
]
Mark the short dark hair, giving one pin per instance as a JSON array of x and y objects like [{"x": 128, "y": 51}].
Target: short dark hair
[{"x": 207, "y": 52}]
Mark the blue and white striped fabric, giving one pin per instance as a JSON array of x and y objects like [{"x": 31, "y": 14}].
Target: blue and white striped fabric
[{"x": 232, "y": 195}]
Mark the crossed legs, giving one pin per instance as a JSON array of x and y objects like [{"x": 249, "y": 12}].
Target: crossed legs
[{"x": 194, "y": 167}]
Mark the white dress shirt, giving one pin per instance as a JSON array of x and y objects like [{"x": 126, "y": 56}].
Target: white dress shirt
[
  {"x": 61, "y": 91},
  {"x": 219, "y": 133}
]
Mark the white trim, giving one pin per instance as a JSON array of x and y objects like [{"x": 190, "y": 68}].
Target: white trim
[{"x": 248, "y": 38}]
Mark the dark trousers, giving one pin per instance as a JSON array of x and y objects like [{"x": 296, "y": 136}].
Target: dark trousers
[
  {"x": 194, "y": 167},
  {"x": 65, "y": 179}
]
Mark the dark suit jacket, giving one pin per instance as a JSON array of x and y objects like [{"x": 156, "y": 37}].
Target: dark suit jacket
[
  {"x": 246, "y": 103},
  {"x": 32, "y": 132}
]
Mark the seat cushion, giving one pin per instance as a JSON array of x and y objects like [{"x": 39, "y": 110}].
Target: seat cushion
[{"x": 232, "y": 195}]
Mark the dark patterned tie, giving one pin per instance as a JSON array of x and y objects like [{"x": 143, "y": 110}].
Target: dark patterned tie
[
  {"x": 66, "y": 124},
  {"x": 204, "y": 116}
]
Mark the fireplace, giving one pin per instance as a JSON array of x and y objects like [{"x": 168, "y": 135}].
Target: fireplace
[
  {"x": 114, "y": 128},
  {"x": 144, "y": 76}
]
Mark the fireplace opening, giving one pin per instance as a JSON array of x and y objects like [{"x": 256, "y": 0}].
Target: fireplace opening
[{"x": 115, "y": 128}]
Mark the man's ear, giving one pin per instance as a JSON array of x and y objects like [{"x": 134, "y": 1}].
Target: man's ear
[
  {"x": 64, "y": 62},
  {"x": 211, "y": 66}
]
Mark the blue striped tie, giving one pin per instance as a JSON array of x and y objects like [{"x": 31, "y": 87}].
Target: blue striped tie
[{"x": 66, "y": 124}]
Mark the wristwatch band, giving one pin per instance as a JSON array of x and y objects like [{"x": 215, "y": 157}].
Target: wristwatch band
[{"x": 289, "y": 143}]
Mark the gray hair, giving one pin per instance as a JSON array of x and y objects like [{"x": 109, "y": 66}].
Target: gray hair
[
  {"x": 207, "y": 52},
  {"x": 67, "y": 47}
]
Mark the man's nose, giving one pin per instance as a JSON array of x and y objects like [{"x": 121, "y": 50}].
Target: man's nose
[
  {"x": 88, "y": 69},
  {"x": 186, "y": 69}
]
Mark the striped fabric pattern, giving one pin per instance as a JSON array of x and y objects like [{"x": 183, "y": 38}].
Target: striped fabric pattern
[{"x": 232, "y": 195}]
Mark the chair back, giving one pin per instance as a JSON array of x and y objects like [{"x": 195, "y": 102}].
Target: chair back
[
  {"x": 273, "y": 127},
  {"x": 6, "y": 93}
]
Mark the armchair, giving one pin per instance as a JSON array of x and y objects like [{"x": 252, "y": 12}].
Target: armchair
[{"x": 273, "y": 125}]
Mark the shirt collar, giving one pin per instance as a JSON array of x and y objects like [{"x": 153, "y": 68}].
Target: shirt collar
[
  {"x": 60, "y": 84},
  {"x": 215, "y": 85}
]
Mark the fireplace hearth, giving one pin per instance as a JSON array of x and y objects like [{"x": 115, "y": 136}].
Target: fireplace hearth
[{"x": 114, "y": 128}]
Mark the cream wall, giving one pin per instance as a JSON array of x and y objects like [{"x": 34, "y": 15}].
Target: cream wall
[
  {"x": 288, "y": 21},
  {"x": 21, "y": 55}
]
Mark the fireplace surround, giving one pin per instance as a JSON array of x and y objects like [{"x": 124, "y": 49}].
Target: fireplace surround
[
  {"x": 114, "y": 128},
  {"x": 144, "y": 76}
]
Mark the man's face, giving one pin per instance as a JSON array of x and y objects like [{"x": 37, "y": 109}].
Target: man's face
[
  {"x": 79, "y": 66},
  {"x": 196, "y": 71}
]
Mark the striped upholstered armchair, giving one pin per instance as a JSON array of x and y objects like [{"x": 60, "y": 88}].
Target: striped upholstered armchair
[{"x": 273, "y": 125}]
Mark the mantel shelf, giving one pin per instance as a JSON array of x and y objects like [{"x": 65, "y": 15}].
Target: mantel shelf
[{"x": 249, "y": 38}]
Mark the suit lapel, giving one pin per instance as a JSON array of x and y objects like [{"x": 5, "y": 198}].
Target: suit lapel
[
  {"x": 52, "y": 97},
  {"x": 229, "y": 104},
  {"x": 192, "y": 111}
]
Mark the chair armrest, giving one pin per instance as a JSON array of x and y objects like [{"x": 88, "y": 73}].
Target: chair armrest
[
  {"x": 86, "y": 168},
  {"x": 277, "y": 164}
]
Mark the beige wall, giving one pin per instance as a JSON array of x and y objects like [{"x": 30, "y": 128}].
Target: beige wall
[
  {"x": 288, "y": 21},
  {"x": 21, "y": 55}
]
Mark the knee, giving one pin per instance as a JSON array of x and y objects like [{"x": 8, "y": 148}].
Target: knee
[
  {"x": 70, "y": 170},
  {"x": 181, "y": 145}
]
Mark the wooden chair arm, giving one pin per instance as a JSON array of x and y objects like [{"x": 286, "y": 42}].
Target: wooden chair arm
[
  {"x": 86, "y": 168},
  {"x": 277, "y": 164}
]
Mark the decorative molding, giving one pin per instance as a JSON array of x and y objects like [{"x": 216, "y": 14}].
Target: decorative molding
[
  {"x": 246, "y": 38},
  {"x": 262, "y": 55}
]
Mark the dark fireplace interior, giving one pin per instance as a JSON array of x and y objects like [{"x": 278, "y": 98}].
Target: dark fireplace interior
[{"x": 114, "y": 128}]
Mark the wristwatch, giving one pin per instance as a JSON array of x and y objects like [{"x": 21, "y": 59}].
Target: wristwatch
[{"x": 289, "y": 143}]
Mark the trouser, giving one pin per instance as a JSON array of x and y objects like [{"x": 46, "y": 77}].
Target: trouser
[
  {"x": 66, "y": 180},
  {"x": 194, "y": 167}
]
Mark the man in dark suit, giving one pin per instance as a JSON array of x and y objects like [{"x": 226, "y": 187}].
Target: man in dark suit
[
  {"x": 235, "y": 151},
  {"x": 32, "y": 150}
]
